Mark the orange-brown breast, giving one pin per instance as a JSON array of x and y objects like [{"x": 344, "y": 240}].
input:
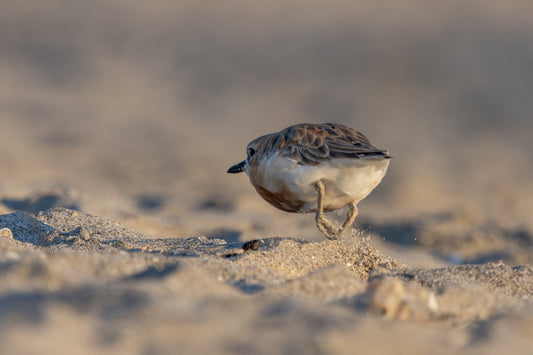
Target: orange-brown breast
[{"x": 284, "y": 200}]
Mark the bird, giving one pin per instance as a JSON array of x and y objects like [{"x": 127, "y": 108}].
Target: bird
[{"x": 315, "y": 168}]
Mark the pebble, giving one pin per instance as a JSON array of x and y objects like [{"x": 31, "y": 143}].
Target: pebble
[
  {"x": 6, "y": 233},
  {"x": 392, "y": 299},
  {"x": 252, "y": 244}
]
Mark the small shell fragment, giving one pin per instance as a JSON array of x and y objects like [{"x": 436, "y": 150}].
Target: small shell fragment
[{"x": 6, "y": 233}]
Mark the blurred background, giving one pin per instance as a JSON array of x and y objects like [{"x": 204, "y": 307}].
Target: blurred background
[{"x": 134, "y": 110}]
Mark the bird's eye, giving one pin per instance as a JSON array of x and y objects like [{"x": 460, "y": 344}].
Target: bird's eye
[{"x": 251, "y": 152}]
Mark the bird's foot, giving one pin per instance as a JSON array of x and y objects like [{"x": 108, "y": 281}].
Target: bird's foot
[{"x": 323, "y": 224}]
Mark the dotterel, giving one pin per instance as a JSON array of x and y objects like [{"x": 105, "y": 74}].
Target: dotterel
[{"x": 315, "y": 168}]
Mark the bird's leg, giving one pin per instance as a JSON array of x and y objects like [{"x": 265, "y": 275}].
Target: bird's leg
[
  {"x": 350, "y": 217},
  {"x": 321, "y": 221},
  {"x": 323, "y": 224}
]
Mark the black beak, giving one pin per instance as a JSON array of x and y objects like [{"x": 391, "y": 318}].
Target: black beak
[{"x": 237, "y": 168}]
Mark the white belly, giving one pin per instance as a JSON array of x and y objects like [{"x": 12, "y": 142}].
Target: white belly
[{"x": 345, "y": 180}]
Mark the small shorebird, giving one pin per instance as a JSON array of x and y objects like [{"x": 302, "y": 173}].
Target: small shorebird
[{"x": 315, "y": 168}]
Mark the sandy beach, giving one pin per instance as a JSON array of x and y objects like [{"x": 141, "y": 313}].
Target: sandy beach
[{"x": 120, "y": 230}]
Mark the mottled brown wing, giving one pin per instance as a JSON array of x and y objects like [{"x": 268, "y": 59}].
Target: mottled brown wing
[{"x": 313, "y": 143}]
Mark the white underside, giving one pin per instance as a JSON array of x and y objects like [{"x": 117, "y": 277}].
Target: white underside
[{"x": 345, "y": 180}]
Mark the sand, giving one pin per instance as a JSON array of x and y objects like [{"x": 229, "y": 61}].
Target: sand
[
  {"x": 120, "y": 231},
  {"x": 76, "y": 281}
]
